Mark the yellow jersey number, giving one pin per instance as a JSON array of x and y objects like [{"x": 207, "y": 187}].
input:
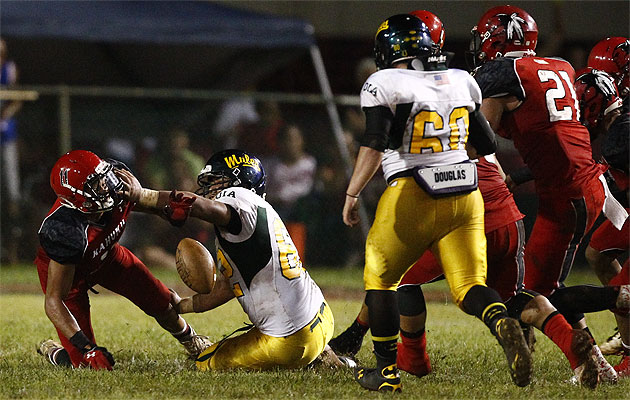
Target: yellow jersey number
[
  {"x": 227, "y": 270},
  {"x": 290, "y": 262},
  {"x": 422, "y": 140}
]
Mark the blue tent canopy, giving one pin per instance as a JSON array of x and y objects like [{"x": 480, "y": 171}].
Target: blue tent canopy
[{"x": 157, "y": 22}]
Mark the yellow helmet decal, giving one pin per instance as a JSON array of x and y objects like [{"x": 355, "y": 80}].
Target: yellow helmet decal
[
  {"x": 384, "y": 25},
  {"x": 233, "y": 161}
]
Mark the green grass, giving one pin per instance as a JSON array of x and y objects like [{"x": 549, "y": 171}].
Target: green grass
[{"x": 467, "y": 361}]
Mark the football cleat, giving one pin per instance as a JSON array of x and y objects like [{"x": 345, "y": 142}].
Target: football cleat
[
  {"x": 623, "y": 368},
  {"x": 196, "y": 345},
  {"x": 613, "y": 345},
  {"x": 385, "y": 380},
  {"x": 510, "y": 337},
  {"x": 586, "y": 373},
  {"x": 348, "y": 342},
  {"x": 347, "y": 362},
  {"x": 606, "y": 371},
  {"x": 530, "y": 337},
  {"x": 49, "y": 348}
]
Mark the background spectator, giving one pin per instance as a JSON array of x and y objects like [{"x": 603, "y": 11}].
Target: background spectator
[
  {"x": 290, "y": 175},
  {"x": 11, "y": 190}
]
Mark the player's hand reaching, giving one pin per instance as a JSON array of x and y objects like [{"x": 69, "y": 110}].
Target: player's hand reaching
[
  {"x": 178, "y": 208},
  {"x": 131, "y": 186},
  {"x": 99, "y": 358}
]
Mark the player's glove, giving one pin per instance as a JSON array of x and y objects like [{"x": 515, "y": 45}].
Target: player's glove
[
  {"x": 94, "y": 356},
  {"x": 178, "y": 208},
  {"x": 99, "y": 358}
]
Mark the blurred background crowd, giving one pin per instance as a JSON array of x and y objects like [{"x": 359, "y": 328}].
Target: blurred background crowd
[{"x": 212, "y": 97}]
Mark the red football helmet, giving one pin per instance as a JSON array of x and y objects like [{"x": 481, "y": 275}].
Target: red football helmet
[
  {"x": 613, "y": 56},
  {"x": 597, "y": 94},
  {"x": 85, "y": 182},
  {"x": 434, "y": 24},
  {"x": 501, "y": 30}
]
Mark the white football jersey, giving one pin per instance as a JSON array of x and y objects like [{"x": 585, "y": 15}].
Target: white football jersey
[
  {"x": 264, "y": 267},
  {"x": 430, "y": 110}
]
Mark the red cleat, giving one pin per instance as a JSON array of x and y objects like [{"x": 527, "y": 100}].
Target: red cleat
[{"x": 623, "y": 368}]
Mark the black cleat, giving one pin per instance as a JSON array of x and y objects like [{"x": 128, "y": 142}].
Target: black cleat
[
  {"x": 510, "y": 337},
  {"x": 348, "y": 342},
  {"x": 385, "y": 380}
]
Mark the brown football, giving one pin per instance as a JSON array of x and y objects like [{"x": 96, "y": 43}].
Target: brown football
[{"x": 195, "y": 265}]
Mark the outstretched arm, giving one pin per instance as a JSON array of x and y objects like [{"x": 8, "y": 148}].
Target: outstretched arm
[{"x": 174, "y": 206}]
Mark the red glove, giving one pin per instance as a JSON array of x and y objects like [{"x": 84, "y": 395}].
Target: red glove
[
  {"x": 99, "y": 358},
  {"x": 178, "y": 208}
]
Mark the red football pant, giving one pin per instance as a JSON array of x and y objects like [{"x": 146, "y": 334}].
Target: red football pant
[
  {"x": 608, "y": 238},
  {"x": 560, "y": 225},
  {"x": 505, "y": 262},
  {"x": 124, "y": 274}
]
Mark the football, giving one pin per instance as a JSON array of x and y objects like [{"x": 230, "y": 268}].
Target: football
[{"x": 195, "y": 265}]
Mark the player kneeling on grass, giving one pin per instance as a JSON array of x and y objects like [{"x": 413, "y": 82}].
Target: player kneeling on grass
[
  {"x": 258, "y": 261},
  {"x": 79, "y": 249}
]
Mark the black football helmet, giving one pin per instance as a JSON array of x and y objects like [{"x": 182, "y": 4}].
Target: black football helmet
[
  {"x": 401, "y": 37},
  {"x": 230, "y": 168}
]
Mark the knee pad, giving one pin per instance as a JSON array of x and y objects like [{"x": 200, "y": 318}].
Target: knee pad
[
  {"x": 411, "y": 300},
  {"x": 516, "y": 304}
]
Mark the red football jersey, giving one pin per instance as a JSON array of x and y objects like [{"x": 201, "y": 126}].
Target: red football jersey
[
  {"x": 68, "y": 237},
  {"x": 545, "y": 128},
  {"x": 498, "y": 201}
]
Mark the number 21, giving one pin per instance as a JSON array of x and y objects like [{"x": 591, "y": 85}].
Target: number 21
[{"x": 558, "y": 93}]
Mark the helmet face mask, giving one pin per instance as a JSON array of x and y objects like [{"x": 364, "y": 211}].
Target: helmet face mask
[
  {"x": 231, "y": 168},
  {"x": 83, "y": 181},
  {"x": 401, "y": 37},
  {"x": 597, "y": 96}
]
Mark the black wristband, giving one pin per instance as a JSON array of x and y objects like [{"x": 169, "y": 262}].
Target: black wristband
[{"x": 81, "y": 342}]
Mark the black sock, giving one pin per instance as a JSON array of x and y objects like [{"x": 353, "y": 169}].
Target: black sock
[
  {"x": 584, "y": 299},
  {"x": 359, "y": 327},
  {"x": 384, "y": 324},
  {"x": 485, "y": 304}
]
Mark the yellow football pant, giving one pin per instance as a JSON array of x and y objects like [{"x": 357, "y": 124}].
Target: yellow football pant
[
  {"x": 256, "y": 351},
  {"x": 408, "y": 221}
]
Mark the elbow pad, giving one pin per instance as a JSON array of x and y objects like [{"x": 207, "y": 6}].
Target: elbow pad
[
  {"x": 378, "y": 122},
  {"x": 481, "y": 135}
]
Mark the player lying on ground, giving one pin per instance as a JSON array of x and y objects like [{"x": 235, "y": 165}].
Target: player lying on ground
[
  {"x": 79, "y": 249},
  {"x": 292, "y": 323}
]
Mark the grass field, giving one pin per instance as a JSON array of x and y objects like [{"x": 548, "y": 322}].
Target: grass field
[{"x": 467, "y": 361}]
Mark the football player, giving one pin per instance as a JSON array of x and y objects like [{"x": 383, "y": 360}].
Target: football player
[
  {"x": 612, "y": 55},
  {"x": 418, "y": 116},
  {"x": 505, "y": 236},
  {"x": 600, "y": 108},
  {"x": 79, "y": 249},
  {"x": 532, "y": 101},
  {"x": 259, "y": 264}
]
